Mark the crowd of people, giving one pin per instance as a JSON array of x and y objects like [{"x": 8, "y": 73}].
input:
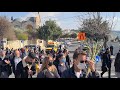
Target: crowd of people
[{"x": 24, "y": 63}]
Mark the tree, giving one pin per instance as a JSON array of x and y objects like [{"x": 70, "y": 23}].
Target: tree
[
  {"x": 50, "y": 30},
  {"x": 32, "y": 34},
  {"x": 6, "y": 29},
  {"x": 21, "y": 35},
  {"x": 43, "y": 32},
  {"x": 96, "y": 28},
  {"x": 65, "y": 36},
  {"x": 73, "y": 35}
]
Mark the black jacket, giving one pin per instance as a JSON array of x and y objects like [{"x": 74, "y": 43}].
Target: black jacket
[
  {"x": 13, "y": 64},
  {"x": 68, "y": 60},
  {"x": 106, "y": 60},
  {"x": 47, "y": 74},
  {"x": 117, "y": 63},
  {"x": 4, "y": 67},
  {"x": 71, "y": 74},
  {"x": 22, "y": 72}
]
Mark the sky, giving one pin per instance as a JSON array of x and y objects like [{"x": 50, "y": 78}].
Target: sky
[{"x": 66, "y": 20}]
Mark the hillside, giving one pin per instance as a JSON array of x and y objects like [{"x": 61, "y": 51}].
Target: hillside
[{"x": 115, "y": 33}]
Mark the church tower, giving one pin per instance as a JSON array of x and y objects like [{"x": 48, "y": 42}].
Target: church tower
[{"x": 38, "y": 20}]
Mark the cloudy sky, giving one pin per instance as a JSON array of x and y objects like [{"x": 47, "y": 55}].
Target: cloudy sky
[{"x": 66, "y": 20}]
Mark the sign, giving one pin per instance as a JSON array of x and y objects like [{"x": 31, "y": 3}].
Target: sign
[
  {"x": 22, "y": 41},
  {"x": 81, "y": 36},
  {"x": 97, "y": 59}
]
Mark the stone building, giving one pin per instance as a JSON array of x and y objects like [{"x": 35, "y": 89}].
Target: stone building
[{"x": 29, "y": 23}]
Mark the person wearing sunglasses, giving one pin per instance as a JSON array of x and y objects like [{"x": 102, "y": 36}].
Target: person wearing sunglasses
[{"x": 80, "y": 67}]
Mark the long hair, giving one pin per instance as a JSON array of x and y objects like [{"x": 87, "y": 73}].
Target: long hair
[{"x": 45, "y": 64}]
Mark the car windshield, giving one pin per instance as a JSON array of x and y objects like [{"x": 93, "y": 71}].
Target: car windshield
[
  {"x": 31, "y": 46},
  {"x": 50, "y": 46}
]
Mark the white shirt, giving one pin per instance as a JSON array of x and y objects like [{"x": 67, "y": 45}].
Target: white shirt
[
  {"x": 78, "y": 74},
  {"x": 17, "y": 60}
]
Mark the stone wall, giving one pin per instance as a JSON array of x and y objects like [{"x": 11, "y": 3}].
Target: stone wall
[{"x": 20, "y": 44}]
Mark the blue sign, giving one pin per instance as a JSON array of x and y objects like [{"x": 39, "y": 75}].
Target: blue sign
[
  {"x": 22, "y": 41},
  {"x": 97, "y": 59}
]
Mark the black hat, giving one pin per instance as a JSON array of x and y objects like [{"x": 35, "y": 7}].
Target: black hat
[
  {"x": 60, "y": 55},
  {"x": 32, "y": 55}
]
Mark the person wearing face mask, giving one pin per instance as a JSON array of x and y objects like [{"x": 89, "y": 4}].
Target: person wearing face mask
[
  {"x": 106, "y": 63},
  {"x": 26, "y": 67},
  {"x": 15, "y": 60},
  {"x": 62, "y": 65},
  {"x": 79, "y": 68},
  {"x": 5, "y": 65},
  {"x": 48, "y": 69}
]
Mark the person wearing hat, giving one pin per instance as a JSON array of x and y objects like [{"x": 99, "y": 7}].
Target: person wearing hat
[
  {"x": 80, "y": 66},
  {"x": 26, "y": 67},
  {"x": 106, "y": 63}
]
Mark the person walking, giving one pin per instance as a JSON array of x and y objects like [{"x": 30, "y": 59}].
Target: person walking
[
  {"x": 66, "y": 54},
  {"x": 62, "y": 65},
  {"x": 26, "y": 67},
  {"x": 48, "y": 69},
  {"x": 15, "y": 60},
  {"x": 5, "y": 65},
  {"x": 111, "y": 50},
  {"x": 106, "y": 63},
  {"x": 80, "y": 66},
  {"x": 117, "y": 65}
]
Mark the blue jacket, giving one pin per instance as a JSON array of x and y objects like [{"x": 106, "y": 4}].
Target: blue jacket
[{"x": 71, "y": 74}]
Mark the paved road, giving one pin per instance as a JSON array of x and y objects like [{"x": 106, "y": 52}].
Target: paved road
[{"x": 74, "y": 46}]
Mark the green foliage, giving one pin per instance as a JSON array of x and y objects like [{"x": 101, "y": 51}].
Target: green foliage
[
  {"x": 50, "y": 30},
  {"x": 95, "y": 28},
  {"x": 21, "y": 35},
  {"x": 65, "y": 36}
]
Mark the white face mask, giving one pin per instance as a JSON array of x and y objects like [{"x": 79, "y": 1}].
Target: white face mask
[{"x": 81, "y": 65}]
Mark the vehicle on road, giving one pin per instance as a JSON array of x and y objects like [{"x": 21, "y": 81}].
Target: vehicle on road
[
  {"x": 51, "y": 45},
  {"x": 32, "y": 46}
]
